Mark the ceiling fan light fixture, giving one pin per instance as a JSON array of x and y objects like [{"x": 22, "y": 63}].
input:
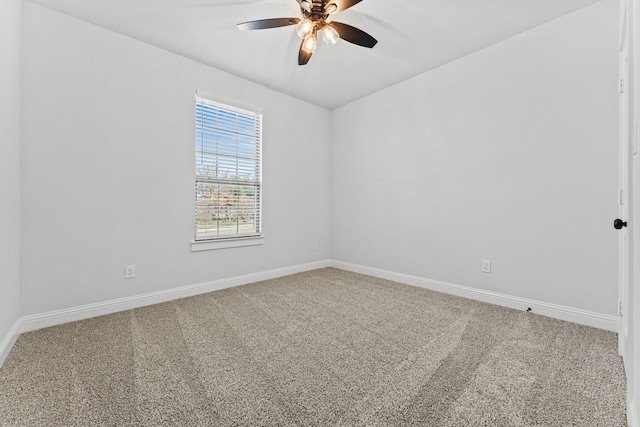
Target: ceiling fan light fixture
[
  {"x": 330, "y": 8},
  {"x": 314, "y": 19},
  {"x": 330, "y": 35},
  {"x": 306, "y": 5},
  {"x": 309, "y": 43},
  {"x": 304, "y": 28}
]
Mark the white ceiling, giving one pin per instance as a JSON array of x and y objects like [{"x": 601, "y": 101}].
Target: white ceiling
[{"x": 413, "y": 36}]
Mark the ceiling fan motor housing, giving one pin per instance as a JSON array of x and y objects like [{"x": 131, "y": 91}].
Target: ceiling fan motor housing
[{"x": 318, "y": 11}]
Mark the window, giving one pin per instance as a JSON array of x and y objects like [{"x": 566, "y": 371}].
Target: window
[{"x": 228, "y": 187}]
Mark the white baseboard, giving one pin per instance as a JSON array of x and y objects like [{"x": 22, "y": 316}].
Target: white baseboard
[
  {"x": 9, "y": 341},
  {"x": 632, "y": 414},
  {"x": 52, "y": 318},
  {"x": 575, "y": 315}
]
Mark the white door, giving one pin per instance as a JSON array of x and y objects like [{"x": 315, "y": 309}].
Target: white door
[{"x": 623, "y": 192}]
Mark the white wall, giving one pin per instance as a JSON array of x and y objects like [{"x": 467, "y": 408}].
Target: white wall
[
  {"x": 10, "y": 18},
  {"x": 508, "y": 155},
  {"x": 108, "y": 168}
]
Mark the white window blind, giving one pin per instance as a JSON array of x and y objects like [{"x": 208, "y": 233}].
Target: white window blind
[{"x": 228, "y": 175}]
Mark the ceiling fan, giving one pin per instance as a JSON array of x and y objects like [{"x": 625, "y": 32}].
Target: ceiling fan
[{"x": 315, "y": 14}]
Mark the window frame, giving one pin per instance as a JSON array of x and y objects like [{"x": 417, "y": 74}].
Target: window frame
[{"x": 233, "y": 240}]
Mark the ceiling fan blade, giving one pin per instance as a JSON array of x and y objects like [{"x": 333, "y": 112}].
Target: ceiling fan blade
[
  {"x": 263, "y": 24},
  {"x": 344, "y": 4},
  {"x": 353, "y": 35},
  {"x": 303, "y": 56}
]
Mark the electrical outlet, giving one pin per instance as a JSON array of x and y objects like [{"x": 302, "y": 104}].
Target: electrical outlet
[
  {"x": 486, "y": 266},
  {"x": 314, "y": 246},
  {"x": 129, "y": 271}
]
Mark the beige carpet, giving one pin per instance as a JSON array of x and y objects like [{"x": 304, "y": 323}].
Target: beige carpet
[{"x": 323, "y": 348}]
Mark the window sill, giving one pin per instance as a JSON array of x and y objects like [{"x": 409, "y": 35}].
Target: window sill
[{"x": 236, "y": 242}]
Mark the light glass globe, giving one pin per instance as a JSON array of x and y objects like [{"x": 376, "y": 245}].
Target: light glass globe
[
  {"x": 304, "y": 28},
  {"x": 330, "y": 35},
  {"x": 309, "y": 44},
  {"x": 330, "y": 8},
  {"x": 306, "y": 5}
]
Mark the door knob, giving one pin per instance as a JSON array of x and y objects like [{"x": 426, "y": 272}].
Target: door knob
[{"x": 618, "y": 224}]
